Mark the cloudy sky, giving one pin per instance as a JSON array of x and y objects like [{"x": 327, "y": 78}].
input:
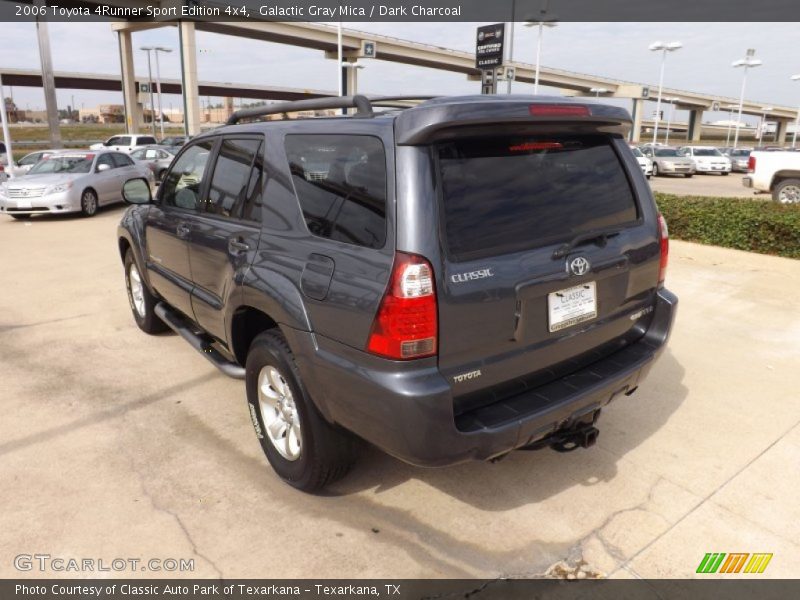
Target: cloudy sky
[{"x": 617, "y": 50}]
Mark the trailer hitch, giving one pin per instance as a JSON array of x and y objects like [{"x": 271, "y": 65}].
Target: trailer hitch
[{"x": 580, "y": 435}]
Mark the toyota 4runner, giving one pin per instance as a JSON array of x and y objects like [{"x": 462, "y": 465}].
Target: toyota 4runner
[{"x": 449, "y": 279}]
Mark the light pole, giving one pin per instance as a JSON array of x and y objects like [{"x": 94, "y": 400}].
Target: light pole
[
  {"x": 672, "y": 102},
  {"x": 797, "y": 120},
  {"x": 598, "y": 91},
  {"x": 764, "y": 111},
  {"x": 541, "y": 25},
  {"x": 356, "y": 66},
  {"x": 730, "y": 108},
  {"x": 747, "y": 62},
  {"x": 149, "y": 49},
  {"x": 663, "y": 48},
  {"x": 158, "y": 83}
]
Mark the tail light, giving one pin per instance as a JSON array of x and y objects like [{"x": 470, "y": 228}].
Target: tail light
[
  {"x": 663, "y": 236},
  {"x": 751, "y": 164},
  {"x": 406, "y": 324}
]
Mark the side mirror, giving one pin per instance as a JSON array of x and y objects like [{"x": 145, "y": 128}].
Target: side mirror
[
  {"x": 136, "y": 191},
  {"x": 101, "y": 168}
]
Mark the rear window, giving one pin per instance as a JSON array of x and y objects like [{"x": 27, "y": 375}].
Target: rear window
[
  {"x": 340, "y": 181},
  {"x": 511, "y": 194}
]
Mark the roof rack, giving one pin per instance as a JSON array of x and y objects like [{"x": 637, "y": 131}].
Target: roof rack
[{"x": 360, "y": 103}]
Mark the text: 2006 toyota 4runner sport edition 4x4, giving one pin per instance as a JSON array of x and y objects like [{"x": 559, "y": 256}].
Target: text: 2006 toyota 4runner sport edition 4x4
[{"x": 449, "y": 281}]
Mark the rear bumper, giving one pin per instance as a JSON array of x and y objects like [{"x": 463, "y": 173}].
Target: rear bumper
[{"x": 407, "y": 408}]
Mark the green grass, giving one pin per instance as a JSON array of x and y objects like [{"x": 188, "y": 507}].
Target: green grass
[{"x": 741, "y": 223}]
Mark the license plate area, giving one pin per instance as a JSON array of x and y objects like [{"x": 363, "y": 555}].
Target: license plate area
[{"x": 572, "y": 306}]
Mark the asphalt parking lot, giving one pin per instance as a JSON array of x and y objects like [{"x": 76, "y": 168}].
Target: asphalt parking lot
[
  {"x": 117, "y": 444},
  {"x": 729, "y": 186}
]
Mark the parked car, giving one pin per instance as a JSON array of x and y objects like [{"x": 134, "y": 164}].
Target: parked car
[
  {"x": 775, "y": 172},
  {"x": 667, "y": 161},
  {"x": 25, "y": 163},
  {"x": 445, "y": 281},
  {"x": 739, "y": 158},
  {"x": 707, "y": 159},
  {"x": 645, "y": 163},
  {"x": 70, "y": 181},
  {"x": 3, "y": 163},
  {"x": 125, "y": 143},
  {"x": 175, "y": 140},
  {"x": 155, "y": 158}
]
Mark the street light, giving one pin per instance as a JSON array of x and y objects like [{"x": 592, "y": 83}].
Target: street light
[
  {"x": 747, "y": 62},
  {"x": 764, "y": 111},
  {"x": 672, "y": 102},
  {"x": 541, "y": 25},
  {"x": 729, "y": 108},
  {"x": 598, "y": 91},
  {"x": 158, "y": 83},
  {"x": 663, "y": 48},
  {"x": 797, "y": 120},
  {"x": 149, "y": 49}
]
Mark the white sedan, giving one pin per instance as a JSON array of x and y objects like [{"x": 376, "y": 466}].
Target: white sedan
[
  {"x": 707, "y": 159},
  {"x": 645, "y": 163}
]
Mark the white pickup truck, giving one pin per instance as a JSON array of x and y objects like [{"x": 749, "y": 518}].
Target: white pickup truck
[{"x": 777, "y": 173}]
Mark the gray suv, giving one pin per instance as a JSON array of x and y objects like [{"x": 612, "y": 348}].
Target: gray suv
[{"x": 448, "y": 280}]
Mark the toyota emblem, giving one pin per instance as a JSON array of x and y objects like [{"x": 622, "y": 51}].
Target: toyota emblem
[{"x": 578, "y": 265}]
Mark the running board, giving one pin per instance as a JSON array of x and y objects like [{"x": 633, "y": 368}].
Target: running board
[{"x": 203, "y": 345}]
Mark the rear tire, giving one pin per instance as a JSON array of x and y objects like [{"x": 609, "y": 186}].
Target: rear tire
[
  {"x": 787, "y": 192},
  {"x": 655, "y": 170},
  {"x": 304, "y": 449},
  {"x": 688, "y": 175},
  {"x": 141, "y": 300},
  {"x": 725, "y": 174}
]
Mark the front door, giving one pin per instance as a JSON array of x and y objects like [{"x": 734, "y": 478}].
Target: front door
[{"x": 169, "y": 226}]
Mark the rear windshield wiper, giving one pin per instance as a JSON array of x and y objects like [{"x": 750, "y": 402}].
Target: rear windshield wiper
[{"x": 598, "y": 237}]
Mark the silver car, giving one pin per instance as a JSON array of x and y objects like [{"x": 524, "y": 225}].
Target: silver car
[
  {"x": 156, "y": 158},
  {"x": 667, "y": 161},
  {"x": 739, "y": 158},
  {"x": 70, "y": 181}
]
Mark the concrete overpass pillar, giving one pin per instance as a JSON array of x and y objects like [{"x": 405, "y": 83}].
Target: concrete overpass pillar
[
  {"x": 695, "y": 125},
  {"x": 189, "y": 84},
  {"x": 636, "y": 114},
  {"x": 780, "y": 134},
  {"x": 133, "y": 110}
]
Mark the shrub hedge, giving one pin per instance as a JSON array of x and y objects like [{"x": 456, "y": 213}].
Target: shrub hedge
[{"x": 741, "y": 223}]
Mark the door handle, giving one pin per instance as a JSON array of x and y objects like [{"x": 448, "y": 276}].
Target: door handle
[
  {"x": 183, "y": 231},
  {"x": 237, "y": 246}
]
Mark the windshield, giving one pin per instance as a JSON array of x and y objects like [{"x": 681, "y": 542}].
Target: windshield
[
  {"x": 66, "y": 163},
  {"x": 637, "y": 152},
  {"x": 666, "y": 152},
  {"x": 706, "y": 152}
]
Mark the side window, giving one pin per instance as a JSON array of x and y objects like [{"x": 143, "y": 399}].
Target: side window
[
  {"x": 340, "y": 182},
  {"x": 123, "y": 140},
  {"x": 162, "y": 155},
  {"x": 181, "y": 188},
  {"x": 122, "y": 160},
  {"x": 31, "y": 159},
  {"x": 233, "y": 182},
  {"x": 105, "y": 159},
  {"x": 145, "y": 140}
]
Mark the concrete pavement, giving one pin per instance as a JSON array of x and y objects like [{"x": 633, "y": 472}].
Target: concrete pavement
[
  {"x": 706, "y": 185},
  {"x": 118, "y": 444}
]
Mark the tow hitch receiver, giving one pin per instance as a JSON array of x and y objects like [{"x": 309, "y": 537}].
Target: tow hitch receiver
[{"x": 582, "y": 434}]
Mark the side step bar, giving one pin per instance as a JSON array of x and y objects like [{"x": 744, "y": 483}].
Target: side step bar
[{"x": 200, "y": 343}]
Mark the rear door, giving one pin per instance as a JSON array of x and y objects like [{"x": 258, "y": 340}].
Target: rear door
[
  {"x": 547, "y": 255},
  {"x": 169, "y": 226},
  {"x": 226, "y": 230}
]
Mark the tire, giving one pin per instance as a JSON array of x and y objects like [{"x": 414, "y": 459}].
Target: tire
[
  {"x": 655, "y": 170},
  {"x": 141, "y": 300},
  {"x": 89, "y": 203},
  {"x": 688, "y": 175},
  {"x": 20, "y": 217},
  {"x": 308, "y": 453},
  {"x": 787, "y": 192},
  {"x": 725, "y": 174}
]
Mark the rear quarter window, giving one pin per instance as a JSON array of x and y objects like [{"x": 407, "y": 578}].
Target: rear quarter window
[
  {"x": 502, "y": 195},
  {"x": 340, "y": 183}
]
